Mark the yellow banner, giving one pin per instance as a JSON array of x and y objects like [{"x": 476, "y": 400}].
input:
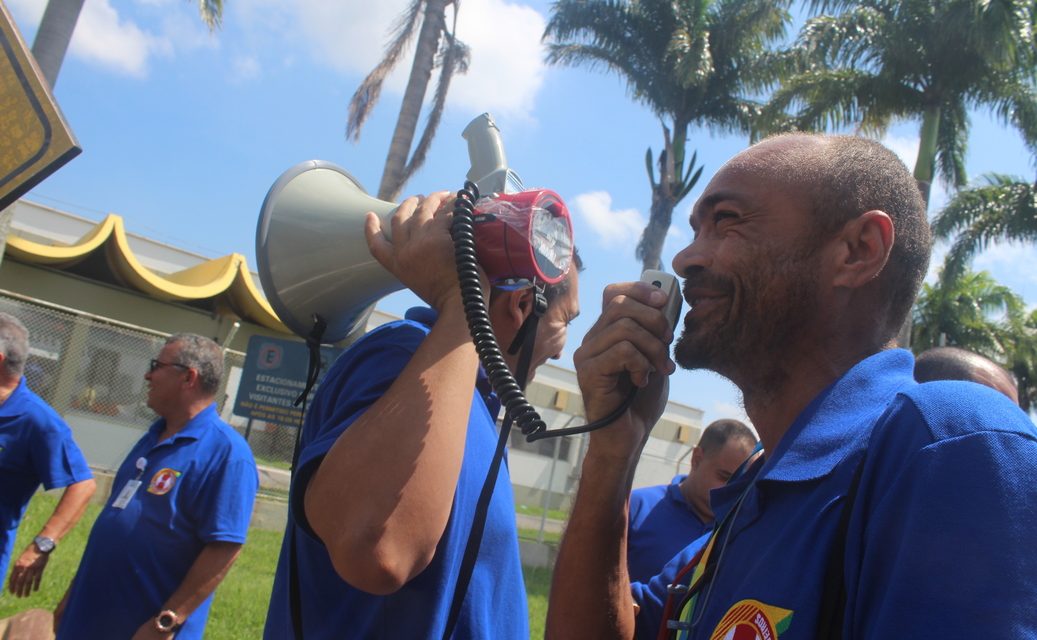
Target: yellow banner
[{"x": 34, "y": 138}]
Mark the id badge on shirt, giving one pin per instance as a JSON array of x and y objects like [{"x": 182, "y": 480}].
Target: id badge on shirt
[{"x": 126, "y": 494}]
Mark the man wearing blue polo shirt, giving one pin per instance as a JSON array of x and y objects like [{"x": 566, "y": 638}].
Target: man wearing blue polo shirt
[
  {"x": 36, "y": 447},
  {"x": 664, "y": 518},
  {"x": 394, "y": 453},
  {"x": 177, "y": 516},
  {"x": 882, "y": 508}
]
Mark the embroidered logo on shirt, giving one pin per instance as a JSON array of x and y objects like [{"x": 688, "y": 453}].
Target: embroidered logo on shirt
[
  {"x": 162, "y": 482},
  {"x": 752, "y": 620}
]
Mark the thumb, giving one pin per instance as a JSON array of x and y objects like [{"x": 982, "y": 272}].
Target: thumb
[{"x": 377, "y": 242}]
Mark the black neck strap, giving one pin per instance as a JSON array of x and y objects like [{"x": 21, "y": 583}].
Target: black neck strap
[{"x": 525, "y": 340}]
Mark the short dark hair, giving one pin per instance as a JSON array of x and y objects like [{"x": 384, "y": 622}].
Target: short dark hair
[
  {"x": 203, "y": 355},
  {"x": 553, "y": 291},
  {"x": 716, "y": 435},
  {"x": 952, "y": 363},
  {"x": 14, "y": 343},
  {"x": 846, "y": 176}
]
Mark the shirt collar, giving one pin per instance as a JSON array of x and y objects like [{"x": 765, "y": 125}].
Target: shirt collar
[
  {"x": 194, "y": 429},
  {"x": 673, "y": 491},
  {"x": 840, "y": 416},
  {"x": 12, "y": 405}
]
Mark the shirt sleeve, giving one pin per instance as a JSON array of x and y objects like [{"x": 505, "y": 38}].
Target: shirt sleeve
[
  {"x": 947, "y": 548},
  {"x": 362, "y": 376},
  {"x": 55, "y": 456},
  {"x": 651, "y": 596},
  {"x": 228, "y": 496}
]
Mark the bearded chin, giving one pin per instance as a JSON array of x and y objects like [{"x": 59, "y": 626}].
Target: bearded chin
[{"x": 699, "y": 349}]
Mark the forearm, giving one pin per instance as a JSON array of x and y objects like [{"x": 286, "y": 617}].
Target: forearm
[
  {"x": 205, "y": 574},
  {"x": 27, "y": 571},
  {"x": 590, "y": 593},
  {"x": 69, "y": 510},
  {"x": 392, "y": 474}
]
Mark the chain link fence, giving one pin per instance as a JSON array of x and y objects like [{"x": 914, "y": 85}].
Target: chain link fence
[{"x": 91, "y": 370}]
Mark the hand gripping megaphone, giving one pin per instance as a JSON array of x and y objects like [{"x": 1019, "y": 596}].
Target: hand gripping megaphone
[{"x": 314, "y": 264}]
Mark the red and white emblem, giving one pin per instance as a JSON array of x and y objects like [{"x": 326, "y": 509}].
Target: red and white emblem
[{"x": 163, "y": 480}]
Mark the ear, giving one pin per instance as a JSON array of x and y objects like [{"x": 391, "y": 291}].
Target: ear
[
  {"x": 192, "y": 377},
  {"x": 862, "y": 249},
  {"x": 513, "y": 307},
  {"x": 696, "y": 457}
]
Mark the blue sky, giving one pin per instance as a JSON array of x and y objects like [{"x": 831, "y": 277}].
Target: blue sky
[{"x": 184, "y": 131}]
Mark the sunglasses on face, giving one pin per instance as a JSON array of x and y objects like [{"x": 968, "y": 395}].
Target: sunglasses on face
[{"x": 158, "y": 364}]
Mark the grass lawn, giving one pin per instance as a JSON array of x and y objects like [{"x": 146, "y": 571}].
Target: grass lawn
[{"x": 239, "y": 610}]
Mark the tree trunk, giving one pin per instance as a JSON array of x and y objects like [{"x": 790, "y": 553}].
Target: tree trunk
[
  {"x": 432, "y": 27},
  {"x": 654, "y": 235},
  {"x": 924, "y": 165},
  {"x": 650, "y": 248},
  {"x": 52, "y": 38},
  {"x": 926, "y": 161}
]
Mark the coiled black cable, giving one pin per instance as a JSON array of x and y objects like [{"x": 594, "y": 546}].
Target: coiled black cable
[
  {"x": 508, "y": 390},
  {"x": 503, "y": 382}
]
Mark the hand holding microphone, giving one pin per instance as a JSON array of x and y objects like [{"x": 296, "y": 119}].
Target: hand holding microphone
[{"x": 628, "y": 347}]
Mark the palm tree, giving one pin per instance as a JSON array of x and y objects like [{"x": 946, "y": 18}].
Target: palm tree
[
  {"x": 971, "y": 311},
  {"x": 1003, "y": 209},
  {"x": 1022, "y": 358},
  {"x": 59, "y": 21},
  {"x": 881, "y": 60},
  {"x": 437, "y": 45},
  {"x": 692, "y": 62}
]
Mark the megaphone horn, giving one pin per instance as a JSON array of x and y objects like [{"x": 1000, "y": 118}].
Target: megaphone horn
[{"x": 311, "y": 251}]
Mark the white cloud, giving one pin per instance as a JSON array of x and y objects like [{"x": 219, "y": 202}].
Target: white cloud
[
  {"x": 105, "y": 38},
  {"x": 114, "y": 36},
  {"x": 27, "y": 12},
  {"x": 1014, "y": 264},
  {"x": 506, "y": 57},
  {"x": 620, "y": 228},
  {"x": 507, "y": 64},
  {"x": 906, "y": 148},
  {"x": 245, "y": 68}
]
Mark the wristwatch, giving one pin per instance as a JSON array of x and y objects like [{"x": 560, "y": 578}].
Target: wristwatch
[
  {"x": 167, "y": 621},
  {"x": 44, "y": 544}
]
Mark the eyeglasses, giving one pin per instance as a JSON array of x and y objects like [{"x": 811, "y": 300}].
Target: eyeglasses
[{"x": 158, "y": 364}]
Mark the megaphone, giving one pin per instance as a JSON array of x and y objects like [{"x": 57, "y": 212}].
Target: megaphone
[{"x": 314, "y": 264}]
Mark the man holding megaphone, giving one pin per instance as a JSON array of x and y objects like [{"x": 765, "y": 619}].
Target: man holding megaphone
[{"x": 393, "y": 453}]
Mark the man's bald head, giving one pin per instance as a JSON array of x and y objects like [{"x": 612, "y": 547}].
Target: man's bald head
[{"x": 952, "y": 363}]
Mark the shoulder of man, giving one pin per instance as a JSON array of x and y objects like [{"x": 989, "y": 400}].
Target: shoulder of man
[
  {"x": 951, "y": 409},
  {"x": 944, "y": 416},
  {"x": 43, "y": 417}
]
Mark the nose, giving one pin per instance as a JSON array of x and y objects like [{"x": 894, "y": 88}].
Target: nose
[{"x": 693, "y": 255}]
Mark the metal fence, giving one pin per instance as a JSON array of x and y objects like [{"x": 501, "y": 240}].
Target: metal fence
[{"x": 91, "y": 370}]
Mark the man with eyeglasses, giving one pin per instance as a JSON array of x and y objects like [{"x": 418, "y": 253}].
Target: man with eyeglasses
[
  {"x": 178, "y": 513},
  {"x": 36, "y": 447}
]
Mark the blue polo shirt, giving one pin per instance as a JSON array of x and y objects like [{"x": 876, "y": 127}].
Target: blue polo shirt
[
  {"x": 36, "y": 447},
  {"x": 495, "y": 604},
  {"x": 939, "y": 543},
  {"x": 196, "y": 487},
  {"x": 661, "y": 524}
]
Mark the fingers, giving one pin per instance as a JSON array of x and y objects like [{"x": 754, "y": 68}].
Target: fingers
[
  {"x": 377, "y": 242},
  {"x": 632, "y": 332},
  {"x": 22, "y": 580}
]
